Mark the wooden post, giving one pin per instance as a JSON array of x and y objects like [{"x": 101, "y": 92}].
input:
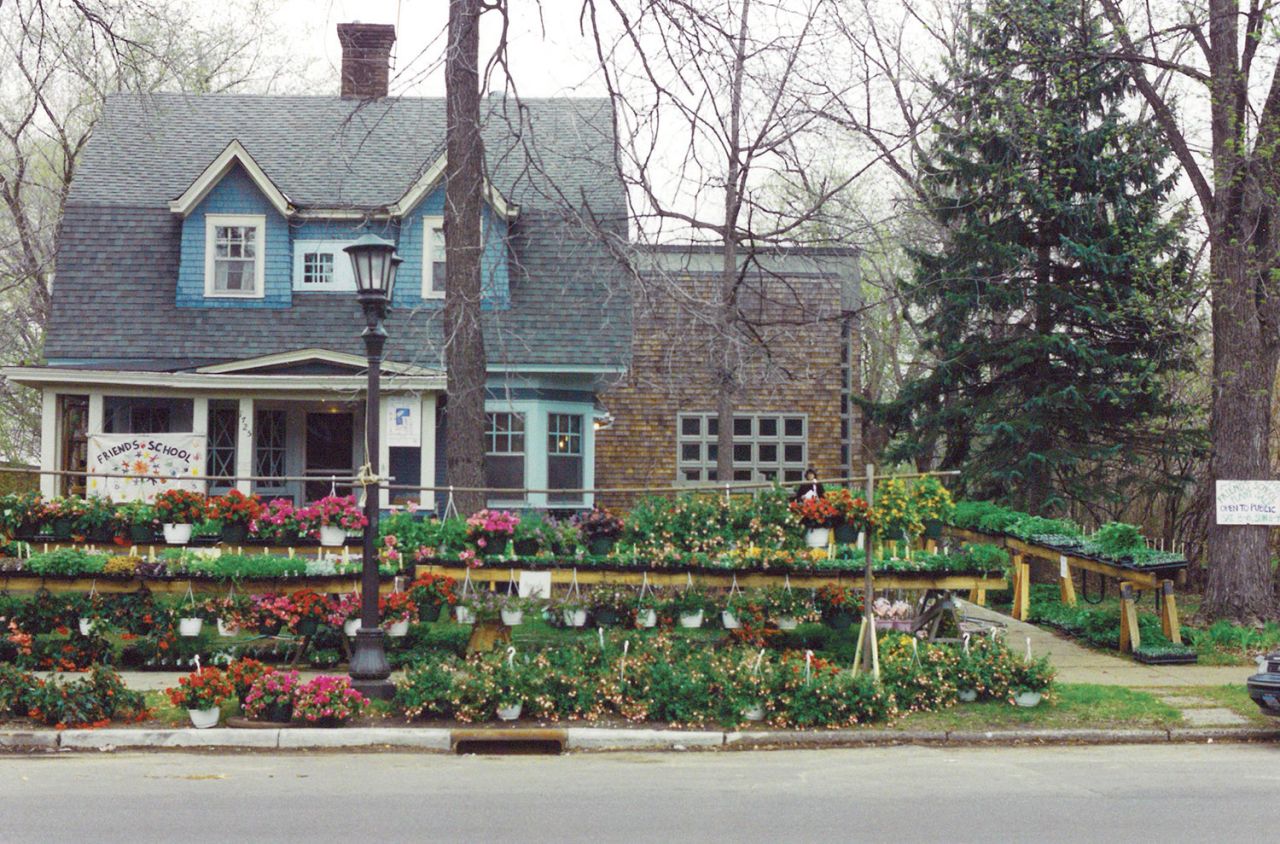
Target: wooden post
[
  {"x": 1021, "y": 587},
  {"x": 978, "y": 595},
  {"x": 1066, "y": 586},
  {"x": 1169, "y": 613},
  {"x": 1130, "y": 638}
]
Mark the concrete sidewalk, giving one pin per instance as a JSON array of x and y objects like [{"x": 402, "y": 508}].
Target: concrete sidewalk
[{"x": 1078, "y": 664}]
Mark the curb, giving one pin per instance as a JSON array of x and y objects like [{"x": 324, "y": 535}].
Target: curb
[{"x": 591, "y": 739}]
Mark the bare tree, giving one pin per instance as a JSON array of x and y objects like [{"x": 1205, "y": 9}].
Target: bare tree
[
  {"x": 58, "y": 63},
  {"x": 464, "y": 349}
]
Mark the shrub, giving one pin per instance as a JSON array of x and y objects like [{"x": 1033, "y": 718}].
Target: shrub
[
  {"x": 204, "y": 688},
  {"x": 426, "y": 690},
  {"x": 93, "y": 700},
  {"x": 328, "y": 701},
  {"x": 15, "y": 685}
]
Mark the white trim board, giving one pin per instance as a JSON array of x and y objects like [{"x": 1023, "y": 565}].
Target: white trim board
[{"x": 232, "y": 155}]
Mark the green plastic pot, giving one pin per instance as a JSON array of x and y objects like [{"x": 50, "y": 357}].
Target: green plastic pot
[{"x": 600, "y": 545}]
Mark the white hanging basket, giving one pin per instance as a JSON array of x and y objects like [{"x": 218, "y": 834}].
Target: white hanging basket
[
  {"x": 691, "y": 620},
  {"x": 464, "y": 615},
  {"x": 786, "y": 623},
  {"x": 817, "y": 537},
  {"x": 86, "y": 626},
  {"x": 510, "y": 713},
  {"x": 228, "y": 630},
  {"x": 575, "y": 618},
  {"x": 647, "y": 618},
  {"x": 332, "y": 536},
  {"x": 190, "y": 627},
  {"x": 398, "y": 630},
  {"x": 203, "y": 719},
  {"x": 175, "y": 534},
  {"x": 513, "y": 618},
  {"x": 729, "y": 620},
  {"x": 755, "y": 713}
]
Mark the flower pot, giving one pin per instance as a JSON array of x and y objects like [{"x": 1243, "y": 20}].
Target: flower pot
[
  {"x": 510, "y": 713},
  {"x": 203, "y": 719},
  {"x": 817, "y": 537},
  {"x": 1027, "y": 699},
  {"x": 86, "y": 626},
  {"x": 933, "y": 529},
  {"x": 525, "y": 547},
  {"x": 227, "y": 629},
  {"x": 280, "y": 712},
  {"x": 176, "y": 534},
  {"x": 351, "y": 627},
  {"x": 512, "y": 618},
  {"x": 600, "y": 545},
  {"x": 308, "y": 627},
  {"x": 786, "y": 622},
  {"x": 235, "y": 534},
  {"x": 465, "y": 615},
  {"x": 968, "y": 695},
  {"x": 142, "y": 534},
  {"x": 430, "y": 612},
  {"x": 102, "y": 533},
  {"x": 270, "y": 627},
  {"x": 190, "y": 627},
  {"x": 606, "y": 617},
  {"x": 754, "y": 713},
  {"x": 61, "y": 529},
  {"x": 691, "y": 620},
  {"x": 333, "y": 536},
  {"x": 839, "y": 620},
  {"x": 729, "y": 620},
  {"x": 575, "y": 618},
  {"x": 647, "y": 618},
  {"x": 846, "y": 534},
  {"x": 399, "y": 629}
]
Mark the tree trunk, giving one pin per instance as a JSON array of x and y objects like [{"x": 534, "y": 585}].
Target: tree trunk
[
  {"x": 464, "y": 335},
  {"x": 1244, "y": 370}
]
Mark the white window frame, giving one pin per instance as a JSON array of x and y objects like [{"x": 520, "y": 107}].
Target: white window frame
[
  {"x": 704, "y": 465},
  {"x": 430, "y": 222},
  {"x": 256, "y": 221},
  {"x": 344, "y": 280}
]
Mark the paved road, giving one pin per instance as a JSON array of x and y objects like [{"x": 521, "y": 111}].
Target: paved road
[{"x": 907, "y": 794}]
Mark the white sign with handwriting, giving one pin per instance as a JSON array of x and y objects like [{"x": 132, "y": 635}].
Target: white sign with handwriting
[{"x": 1248, "y": 502}]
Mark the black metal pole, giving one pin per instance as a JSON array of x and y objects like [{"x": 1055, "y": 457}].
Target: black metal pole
[{"x": 370, "y": 671}]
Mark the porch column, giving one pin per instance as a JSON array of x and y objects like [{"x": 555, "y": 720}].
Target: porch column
[
  {"x": 535, "y": 454},
  {"x": 244, "y": 446},
  {"x": 94, "y": 424},
  {"x": 427, "y": 452},
  {"x": 50, "y": 436},
  {"x": 200, "y": 427}
]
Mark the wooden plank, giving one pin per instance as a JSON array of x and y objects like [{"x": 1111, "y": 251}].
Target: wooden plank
[
  {"x": 1140, "y": 580},
  {"x": 331, "y": 585},
  {"x": 1130, "y": 637},
  {"x": 800, "y": 580},
  {"x": 1066, "y": 586},
  {"x": 1169, "y": 613}
]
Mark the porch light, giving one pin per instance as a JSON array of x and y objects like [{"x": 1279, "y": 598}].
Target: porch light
[{"x": 374, "y": 262}]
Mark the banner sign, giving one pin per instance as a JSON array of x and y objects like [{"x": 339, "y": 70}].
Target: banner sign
[
  {"x": 151, "y": 458},
  {"x": 404, "y": 423},
  {"x": 1248, "y": 502}
]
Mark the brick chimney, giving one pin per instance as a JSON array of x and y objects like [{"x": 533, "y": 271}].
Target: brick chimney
[{"x": 366, "y": 58}]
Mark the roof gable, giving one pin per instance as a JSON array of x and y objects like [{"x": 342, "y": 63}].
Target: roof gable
[{"x": 234, "y": 153}]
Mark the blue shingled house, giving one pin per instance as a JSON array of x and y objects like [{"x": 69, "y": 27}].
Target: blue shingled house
[{"x": 202, "y": 289}]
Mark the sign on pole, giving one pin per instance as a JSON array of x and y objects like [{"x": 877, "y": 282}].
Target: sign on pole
[
  {"x": 404, "y": 423},
  {"x": 156, "y": 461},
  {"x": 1248, "y": 502}
]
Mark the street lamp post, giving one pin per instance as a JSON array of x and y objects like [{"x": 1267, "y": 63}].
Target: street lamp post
[{"x": 374, "y": 262}]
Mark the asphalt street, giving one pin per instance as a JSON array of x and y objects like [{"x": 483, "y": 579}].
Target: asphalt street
[{"x": 902, "y": 794}]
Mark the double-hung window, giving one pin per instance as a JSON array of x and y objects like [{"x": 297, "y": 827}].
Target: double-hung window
[
  {"x": 234, "y": 255},
  {"x": 564, "y": 457},
  {"x": 433, "y": 257},
  {"x": 504, "y": 454}
]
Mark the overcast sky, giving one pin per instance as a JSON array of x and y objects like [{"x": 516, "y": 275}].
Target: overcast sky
[{"x": 556, "y": 62}]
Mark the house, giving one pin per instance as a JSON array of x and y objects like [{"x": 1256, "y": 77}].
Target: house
[
  {"x": 202, "y": 290},
  {"x": 796, "y": 371}
]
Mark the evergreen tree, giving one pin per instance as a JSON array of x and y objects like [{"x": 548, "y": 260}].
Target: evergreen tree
[{"x": 1057, "y": 305}]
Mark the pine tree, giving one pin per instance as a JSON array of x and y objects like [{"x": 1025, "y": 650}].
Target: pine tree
[{"x": 1057, "y": 304}]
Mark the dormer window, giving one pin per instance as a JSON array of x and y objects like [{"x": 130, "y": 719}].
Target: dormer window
[
  {"x": 320, "y": 266},
  {"x": 433, "y": 257},
  {"x": 234, "y": 255}
]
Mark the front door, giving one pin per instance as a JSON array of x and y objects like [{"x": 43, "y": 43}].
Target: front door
[{"x": 330, "y": 441}]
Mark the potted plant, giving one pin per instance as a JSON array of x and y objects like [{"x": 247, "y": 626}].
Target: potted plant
[
  {"x": 62, "y": 516},
  {"x": 278, "y": 522},
  {"x": 243, "y": 672},
  {"x": 201, "y": 693},
  {"x": 464, "y": 612},
  {"x": 432, "y": 592},
  {"x": 894, "y": 514},
  {"x": 98, "y": 520},
  {"x": 610, "y": 604},
  {"x": 141, "y": 519},
  {"x": 786, "y": 606},
  {"x": 600, "y": 529},
  {"x": 530, "y": 536},
  {"x": 272, "y": 696},
  {"x": 331, "y": 518},
  {"x": 736, "y": 608},
  {"x": 1030, "y": 679},
  {"x": 511, "y": 687},
  {"x": 933, "y": 503},
  {"x": 311, "y": 609},
  {"x": 816, "y": 515},
  {"x": 852, "y": 515},
  {"x": 327, "y": 701},
  {"x": 895, "y": 615},
  {"x": 512, "y": 608},
  {"x": 398, "y": 610},
  {"x": 689, "y": 605},
  {"x": 490, "y": 530},
  {"x": 572, "y": 609},
  {"x": 646, "y": 607},
  {"x": 178, "y": 510},
  {"x": 235, "y": 512},
  {"x": 563, "y": 537},
  {"x": 90, "y": 613},
  {"x": 840, "y": 606}
]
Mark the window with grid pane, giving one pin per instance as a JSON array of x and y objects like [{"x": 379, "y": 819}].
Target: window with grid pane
[
  {"x": 504, "y": 453},
  {"x": 233, "y": 255},
  {"x": 317, "y": 268},
  {"x": 269, "y": 447},
  {"x": 221, "y": 455},
  {"x": 766, "y": 447},
  {"x": 564, "y": 456}
]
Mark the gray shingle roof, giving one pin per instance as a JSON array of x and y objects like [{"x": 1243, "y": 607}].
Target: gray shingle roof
[{"x": 118, "y": 252}]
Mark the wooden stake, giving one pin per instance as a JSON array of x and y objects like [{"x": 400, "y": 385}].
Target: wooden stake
[
  {"x": 1066, "y": 586},
  {"x": 1169, "y": 613}
]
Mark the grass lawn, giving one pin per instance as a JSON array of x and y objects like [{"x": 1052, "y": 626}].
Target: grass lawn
[
  {"x": 1075, "y": 705},
  {"x": 1236, "y": 698}
]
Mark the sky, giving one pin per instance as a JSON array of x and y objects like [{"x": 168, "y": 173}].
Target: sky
[{"x": 548, "y": 54}]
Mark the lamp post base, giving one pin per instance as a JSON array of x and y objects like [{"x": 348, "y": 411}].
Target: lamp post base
[{"x": 369, "y": 670}]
